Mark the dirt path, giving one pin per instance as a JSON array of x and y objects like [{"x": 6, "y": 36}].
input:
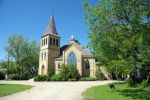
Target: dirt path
[{"x": 51, "y": 90}]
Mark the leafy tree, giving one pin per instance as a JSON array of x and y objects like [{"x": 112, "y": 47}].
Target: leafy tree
[
  {"x": 119, "y": 33},
  {"x": 99, "y": 75},
  {"x": 24, "y": 53},
  {"x": 8, "y": 66}
]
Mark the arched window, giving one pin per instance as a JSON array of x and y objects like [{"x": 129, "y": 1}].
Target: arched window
[
  {"x": 58, "y": 66},
  {"x": 53, "y": 41},
  {"x": 57, "y": 42},
  {"x": 42, "y": 70},
  {"x": 46, "y": 41},
  {"x": 42, "y": 42},
  {"x": 50, "y": 41},
  {"x": 72, "y": 59},
  {"x": 87, "y": 65}
]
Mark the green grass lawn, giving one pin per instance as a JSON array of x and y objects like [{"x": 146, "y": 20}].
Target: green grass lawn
[
  {"x": 7, "y": 89},
  {"x": 122, "y": 92}
]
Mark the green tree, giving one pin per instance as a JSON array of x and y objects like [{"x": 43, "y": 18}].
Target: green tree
[
  {"x": 64, "y": 73},
  {"x": 119, "y": 33},
  {"x": 73, "y": 72},
  {"x": 24, "y": 53},
  {"x": 8, "y": 66},
  {"x": 99, "y": 75}
]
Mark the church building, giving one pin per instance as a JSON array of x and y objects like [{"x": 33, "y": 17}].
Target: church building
[{"x": 52, "y": 56}]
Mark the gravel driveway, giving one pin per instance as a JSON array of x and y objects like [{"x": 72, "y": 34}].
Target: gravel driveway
[{"x": 51, "y": 90}]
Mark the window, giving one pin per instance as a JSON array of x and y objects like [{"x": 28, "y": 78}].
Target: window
[
  {"x": 57, "y": 42},
  {"x": 53, "y": 41},
  {"x": 87, "y": 65},
  {"x": 46, "y": 41},
  {"x": 72, "y": 59},
  {"x": 58, "y": 66},
  {"x": 50, "y": 41},
  {"x": 42, "y": 70},
  {"x": 42, "y": 42}
]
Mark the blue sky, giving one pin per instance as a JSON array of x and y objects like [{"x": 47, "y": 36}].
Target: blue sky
[{"x": 30, "y": 19}]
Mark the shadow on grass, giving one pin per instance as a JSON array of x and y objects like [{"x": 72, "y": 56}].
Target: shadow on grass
[
  {"x": 2, "y": 84},
  {"x": 136, "y": 93}
]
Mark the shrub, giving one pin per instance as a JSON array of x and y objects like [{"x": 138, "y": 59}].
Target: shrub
[
  {"x": 88, "y": 79},
  {"x": 25, "y": 76},
  {"x": 145, "y": 83},
  {"x": 131, "y": 82},
  {"x": 2, "y": 76},
  {"x": 36, "y": 78},
  {"x": 48, "y": 78},
  {"x": 73, "y": 72},
  {"x": 68, "y": 72},
  {"x": 49, "y": 74},
  {"x": 40, "y": 78},
  {"x": 64, "y": 73},
  {"x": 99, "y": 75},
  {"x": 56, "y": 77},
  {"x": 73, "y": 79},
  {"x": 83, "y": 79},
  {"x": 15, "y": 77}
]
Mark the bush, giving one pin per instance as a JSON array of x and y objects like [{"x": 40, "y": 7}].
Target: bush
[
  {"x": 49, "y": 74},
  {"x": 145, "y": 83},
  {"x": 48, "y": 78},
  {"x": 15, "y": 77},
  {"x": 25, "y": 76},
  {"x": 131, "y": 82},
  {"x": 56, "y": 77},
  {"x": 36, "y": 78},
  {"x": 68, "y": 72},
  {"x": 88, "y": 79},
  {"x": 73, "y": 72},
  {"x": 73, "y": 79},
  {"x": 2, "y": 76},
  {"x": 64, "y": 73},
  {"x": 40, "y": 78},
  {"x": 99, "y": 75}
]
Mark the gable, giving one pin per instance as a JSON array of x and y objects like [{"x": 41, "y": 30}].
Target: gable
[{"x": 84, "y": 52}]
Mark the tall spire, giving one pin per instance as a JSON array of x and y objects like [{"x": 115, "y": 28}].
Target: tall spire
[{"x": 51, "y": 28}]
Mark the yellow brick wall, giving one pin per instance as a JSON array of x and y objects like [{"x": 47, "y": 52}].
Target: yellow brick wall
[
  {"x": 78, "y": 57},
  {"x": 52, "y": 51}
]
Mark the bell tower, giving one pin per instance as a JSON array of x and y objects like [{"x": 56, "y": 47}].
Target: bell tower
[{"x": 49, "y": 48}]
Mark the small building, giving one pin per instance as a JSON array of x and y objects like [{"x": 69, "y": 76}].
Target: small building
[{"x": 52, "y": 56}]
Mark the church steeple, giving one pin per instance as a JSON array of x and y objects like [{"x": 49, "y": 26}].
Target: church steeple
[
  {"x": 51, "y": 28},
  {"x": 49, "y": 48}
]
